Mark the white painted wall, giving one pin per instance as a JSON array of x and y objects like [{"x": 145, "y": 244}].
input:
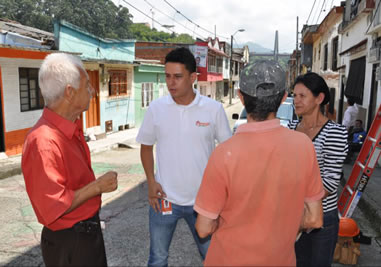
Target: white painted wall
[
  {"x": 14, "y": 118},
  {"x": 353, "y": 34}
]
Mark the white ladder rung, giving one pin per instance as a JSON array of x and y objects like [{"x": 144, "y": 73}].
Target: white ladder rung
[
  {"x": 374, "y": 140},
  {"x": 349, "y": 189},
  {"x": 362, "y": 166}
]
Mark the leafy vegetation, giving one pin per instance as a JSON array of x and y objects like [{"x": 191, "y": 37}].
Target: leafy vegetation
[{"x": 99, "y": 17}]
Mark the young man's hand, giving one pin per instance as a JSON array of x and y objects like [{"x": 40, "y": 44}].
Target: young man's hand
[{"x": 155, "y": 192}]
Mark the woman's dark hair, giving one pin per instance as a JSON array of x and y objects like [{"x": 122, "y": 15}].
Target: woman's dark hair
[
  {"x": 316, "y": 84},
  {"x": 184, "y": 56}
]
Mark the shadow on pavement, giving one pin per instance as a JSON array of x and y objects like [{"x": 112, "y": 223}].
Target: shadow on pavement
[{"x": 127, "y": 235}]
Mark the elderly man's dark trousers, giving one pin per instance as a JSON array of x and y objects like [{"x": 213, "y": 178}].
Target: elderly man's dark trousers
[{"x": 81, "y": 245}]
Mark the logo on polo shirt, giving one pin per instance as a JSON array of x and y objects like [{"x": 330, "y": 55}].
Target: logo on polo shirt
[{"x": 202, "y": 124}]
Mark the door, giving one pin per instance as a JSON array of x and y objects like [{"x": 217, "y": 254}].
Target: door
[
  {"x": 373, "y": 97},
  {"x": 93, "y": 114},
  {"x": 2, "y": 146},
  {"x": 341, "y": 101}
]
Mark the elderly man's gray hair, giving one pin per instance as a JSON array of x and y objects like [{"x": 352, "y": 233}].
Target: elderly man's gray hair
[{"x": 56, "y": 72}]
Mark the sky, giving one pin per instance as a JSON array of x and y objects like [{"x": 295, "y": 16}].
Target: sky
[{"x": 259, "y": 19}]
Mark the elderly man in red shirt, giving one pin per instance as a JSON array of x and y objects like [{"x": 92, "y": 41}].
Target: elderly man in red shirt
[{"x": 60, "y": 182}]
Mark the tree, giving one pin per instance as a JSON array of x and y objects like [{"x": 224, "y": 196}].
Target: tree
[{"x": 99, "y": 17}]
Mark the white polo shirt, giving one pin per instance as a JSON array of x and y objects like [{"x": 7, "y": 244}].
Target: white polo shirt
[{"x": 184, "y": 137}]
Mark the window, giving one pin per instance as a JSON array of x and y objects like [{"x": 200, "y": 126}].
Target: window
[
  {"x": 147, "y": 94},
  {"x": 30, "y": 93},
  {"x": 325, "y": 65},
  {"x": 335, "y": 45},
  {"x": 212, "y": 64},
  {"x": 118, "y": 83},
  {"x": 319, "y": 51},
  {"x": 236, "y": 67},
  {"x": 219, "y": 64}
]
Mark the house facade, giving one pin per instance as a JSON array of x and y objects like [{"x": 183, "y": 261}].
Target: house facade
[
  {"x": 110, "y": 65},
  {"x": 22, "y": 50},
  {"x": 210, "y": 81},
  {"x": 374, "y": 58},
  {"x": 21, "y": 99},
  {"x": 357, "y": 73},
  {"x": 345, "y": 50},
  {"x": 320, "y": 54},
  {"x": 149, "y": 84}
]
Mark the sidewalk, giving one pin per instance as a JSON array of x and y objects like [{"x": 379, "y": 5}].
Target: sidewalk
[
  {"x": 12, "y": 165},
  {"x": 370, "y": 202}
]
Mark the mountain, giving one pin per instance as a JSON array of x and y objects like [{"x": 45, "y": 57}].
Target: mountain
[{"x": 257, "y": 48}]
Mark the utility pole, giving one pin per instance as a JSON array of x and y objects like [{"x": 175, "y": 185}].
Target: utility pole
[
  {"x": 231, "y": 92},
  {"x": 153, "y": 14},
  {"x": 297, "y": 44},
  {"x": 231, "y": 71}
]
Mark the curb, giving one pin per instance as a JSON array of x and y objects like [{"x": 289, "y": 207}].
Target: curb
[
  {"x": 10, "y": 170},
  {"x": 371, "y": 213},
  {"x": 15, "y": 168}
]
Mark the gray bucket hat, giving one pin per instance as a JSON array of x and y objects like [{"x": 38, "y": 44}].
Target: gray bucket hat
[{"x": 262, "y": 78}]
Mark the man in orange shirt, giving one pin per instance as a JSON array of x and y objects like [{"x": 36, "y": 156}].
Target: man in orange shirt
[
  {"x": 60, "y": 182},
  {"x": 262, "y": 186}
]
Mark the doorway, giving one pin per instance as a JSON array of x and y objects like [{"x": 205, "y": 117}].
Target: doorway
[
  {"x": 373, "y": 96},
  {"x": 2, "y": 146},
  {"x": 93, "y": 113}
]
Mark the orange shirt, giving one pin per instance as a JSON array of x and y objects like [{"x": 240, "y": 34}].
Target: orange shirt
[
  {"x": 256, "y": 183},
  {"x": 56, "y": 163}
]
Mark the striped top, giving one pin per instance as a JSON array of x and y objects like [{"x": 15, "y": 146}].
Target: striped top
[{"x": 331, "y": 148}]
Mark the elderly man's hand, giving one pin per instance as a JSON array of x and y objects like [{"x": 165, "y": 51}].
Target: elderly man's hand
[{"x": 108, "y": 182}]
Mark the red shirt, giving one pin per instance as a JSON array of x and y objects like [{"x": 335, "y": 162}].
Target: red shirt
[{"x": 56, "y": 163}]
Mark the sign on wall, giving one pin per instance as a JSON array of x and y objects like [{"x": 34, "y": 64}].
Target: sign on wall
[{"x": 200, "y": 53}]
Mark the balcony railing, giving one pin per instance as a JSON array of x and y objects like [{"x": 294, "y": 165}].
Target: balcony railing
[{"x": 365, "y": 6}]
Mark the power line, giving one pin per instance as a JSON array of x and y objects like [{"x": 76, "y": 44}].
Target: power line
[
  {"x": 198, "y": 26},
  {"x": 310, "y": 12},
  {"x": 174, "y": 19},
  {"x": 322, "y": 6},
  {"x": 331, "y": 5},
  {"x": 316, "y": 11},
  {"x": 146, "y": 15}
]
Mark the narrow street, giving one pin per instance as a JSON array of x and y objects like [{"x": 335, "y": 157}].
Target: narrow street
[{"x": 125, "y": 213}]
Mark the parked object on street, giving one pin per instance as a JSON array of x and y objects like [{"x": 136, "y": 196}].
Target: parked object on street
[
  {"x": 59, "y": 180},
  {"x": 348, "y": 227},
  {"x": 257, "y": 191},
  {"x": 286, "y": 114},
  {"x": 362, "y": 169},
  {"x": 347, "y": 251}
]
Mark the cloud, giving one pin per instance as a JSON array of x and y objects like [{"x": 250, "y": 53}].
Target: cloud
[{"x": 260, "y": 19}]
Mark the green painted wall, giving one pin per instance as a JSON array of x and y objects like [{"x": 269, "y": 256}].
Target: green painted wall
[{"x": 146, "y": 73}]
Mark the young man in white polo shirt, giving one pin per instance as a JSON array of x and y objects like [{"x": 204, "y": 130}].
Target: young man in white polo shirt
[{"x": 184, "y": 126}]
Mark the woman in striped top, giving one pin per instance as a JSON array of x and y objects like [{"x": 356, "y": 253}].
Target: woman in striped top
[{"x": 311, "y": 93}]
